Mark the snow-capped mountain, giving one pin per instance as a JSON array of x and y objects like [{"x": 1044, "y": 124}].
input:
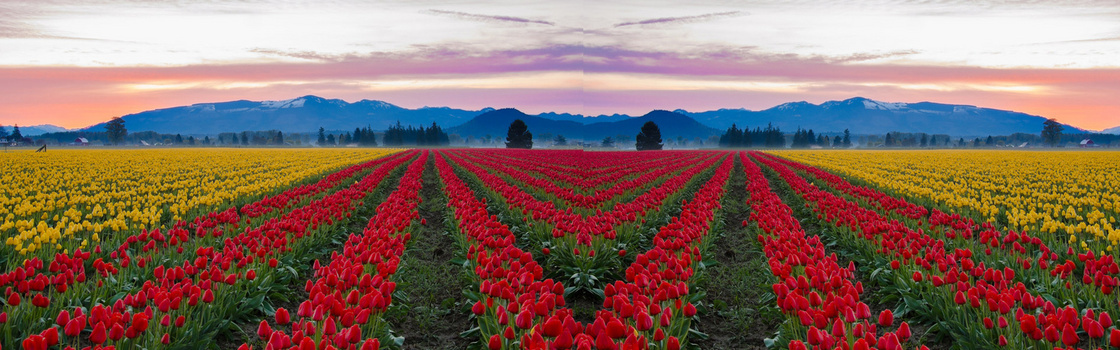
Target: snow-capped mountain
[
  {"x": 865, "y": 116},
  {"x": 303, "y": 114},
  {"x": 1114, "y": 131}
]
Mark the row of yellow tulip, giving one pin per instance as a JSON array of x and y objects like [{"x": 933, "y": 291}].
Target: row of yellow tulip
[
  {"x": 64, "y": 199},
  {"x": 1057, "y": 192}
]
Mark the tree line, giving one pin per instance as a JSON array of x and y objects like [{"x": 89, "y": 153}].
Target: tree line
[
  {"x": 773, "y": 137},
  {"x": 648, "y": 138}
]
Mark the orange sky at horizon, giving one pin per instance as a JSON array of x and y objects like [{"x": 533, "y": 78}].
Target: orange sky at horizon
[{"x": 73, "y": 63}]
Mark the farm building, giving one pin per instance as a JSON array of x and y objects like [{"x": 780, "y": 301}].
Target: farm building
[
  {"x": 81, "y": 141},
  {"x": 1087, "y": 143}
]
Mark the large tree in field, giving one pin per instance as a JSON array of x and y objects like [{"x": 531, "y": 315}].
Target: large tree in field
[
  {"x": 1052, "y": 132},
  {"x": 16, "y": 135},
  {"x": 518, "y": 135},
  {"x": 650, "y": 137},
  {"x": 115, "y": 130}
]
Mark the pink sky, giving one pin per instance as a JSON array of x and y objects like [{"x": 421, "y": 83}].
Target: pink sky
[{"x": 72, "y": 63}]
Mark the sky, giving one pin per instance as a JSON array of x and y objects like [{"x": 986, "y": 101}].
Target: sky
[{"x": 75, "y": 63}]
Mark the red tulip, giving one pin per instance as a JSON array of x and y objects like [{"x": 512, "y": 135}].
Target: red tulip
[
  {"x": 886, "y": 318},
  {"x": 264, "y": 330},
  {"x": 673, "y": 344},
  {"x": 1069, "y": 335},
  {"x": 1114, "y": 338},
  {"x": 73, "y": 327},
  {"x": 50, "y": 336},
  {"x": 116, "y": 332},
  {"x": 796, "y": 345},
  {"x": 99, "y": 334},
  {"x": 495, "y": 342},
  {"x": 282, "y": 316}
]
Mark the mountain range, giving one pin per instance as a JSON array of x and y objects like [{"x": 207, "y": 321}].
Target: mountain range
[
  {"x": 859, "y": 115},
  {"x": 303, "y": 114},
  {"x": 36, "y": 130}
]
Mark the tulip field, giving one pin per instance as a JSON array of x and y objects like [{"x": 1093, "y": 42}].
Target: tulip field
[{"x": 531, "y": 249}]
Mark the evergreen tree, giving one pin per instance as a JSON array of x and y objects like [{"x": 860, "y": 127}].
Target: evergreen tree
[
  {"x": 734, "y": 138},
  {"x": 330, "y": 139},
  {"x": 608, "y": 142},
  {"x": 518, "y": 135},
  {"x": 234, "y": 142},
  {"x": 649, "y": 139},
  {"x": 836, "y": 141},
  {"x": 989, "y": 141},
  {"x": 322, "y": 137},
  {"x": 822, "y": 141},
  {"x": 888, "y": 141},
  {"x": 16, "y": 135},
  {"x": 925, "y": 140},
  {"x": 244, "y": 138},
  {"x": 179, "y": 139},
  {"x": 206, "y": 141},
  {"x": 1052, "y": 132},
  {"x": 279, "y": 138},
  {"x": 847, "y": 139},
  {"x": 115, "y": 130},
  {"x": 560, "y": 141},
  {"x": 190, "y": 140},
  {"x": 3, "y": 132}
]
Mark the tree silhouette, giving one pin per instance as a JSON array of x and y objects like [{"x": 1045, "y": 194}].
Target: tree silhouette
[
  {"x": 115, "y": 130},
  {"x": 518, "y": 135},
  {"x": 608, "y": 142},
  {"x": 16, "y": 134},
  {"x": 1052, "y": 132},
  {"x": 650, "y": 137},
  {"x": 560, "y": 141}
]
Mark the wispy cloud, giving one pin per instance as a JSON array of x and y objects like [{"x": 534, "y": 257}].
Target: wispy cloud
[
  {"x": 685, "y": 19},
  {"x": 488, "y": 18}
]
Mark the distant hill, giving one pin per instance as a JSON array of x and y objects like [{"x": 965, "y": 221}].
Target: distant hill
[
  {"x": 866, "y": 116},
  {"x": 303, "y": 114},
  {"x": 584, "y": 119},
  {"x": 859, "y": 115},
  {"x": 35, "y": 130},
  {"x": 1114, "y": 131},
  {"x": 495, "y": 124}
]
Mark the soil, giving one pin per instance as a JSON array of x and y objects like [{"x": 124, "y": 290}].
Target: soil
[{"x": 433, "y": 312}]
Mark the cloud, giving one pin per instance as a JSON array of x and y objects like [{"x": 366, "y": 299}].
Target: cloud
[
  {"x": 488, "y": 18},
  {"x": 685, "y": 19}
]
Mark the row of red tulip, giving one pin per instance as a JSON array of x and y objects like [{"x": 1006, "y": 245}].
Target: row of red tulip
[
  {"x": 652, "y": 306},
  {"x": 210, "y": 283},
  {"x": 585, "y": 229},
  {"x": 657, "y": 283},
  {"x": 1099, "y": 274},
  {"x": 512, "y": 295},
  {"x": 820, "y": 298},
  {"x": 348, "y": 294},
  {"x": 964, "y": 296},
  {"x": 621, "y": 181},
  {"x": 67, "y": 269},
  {"x": 580, "y": 169}
]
